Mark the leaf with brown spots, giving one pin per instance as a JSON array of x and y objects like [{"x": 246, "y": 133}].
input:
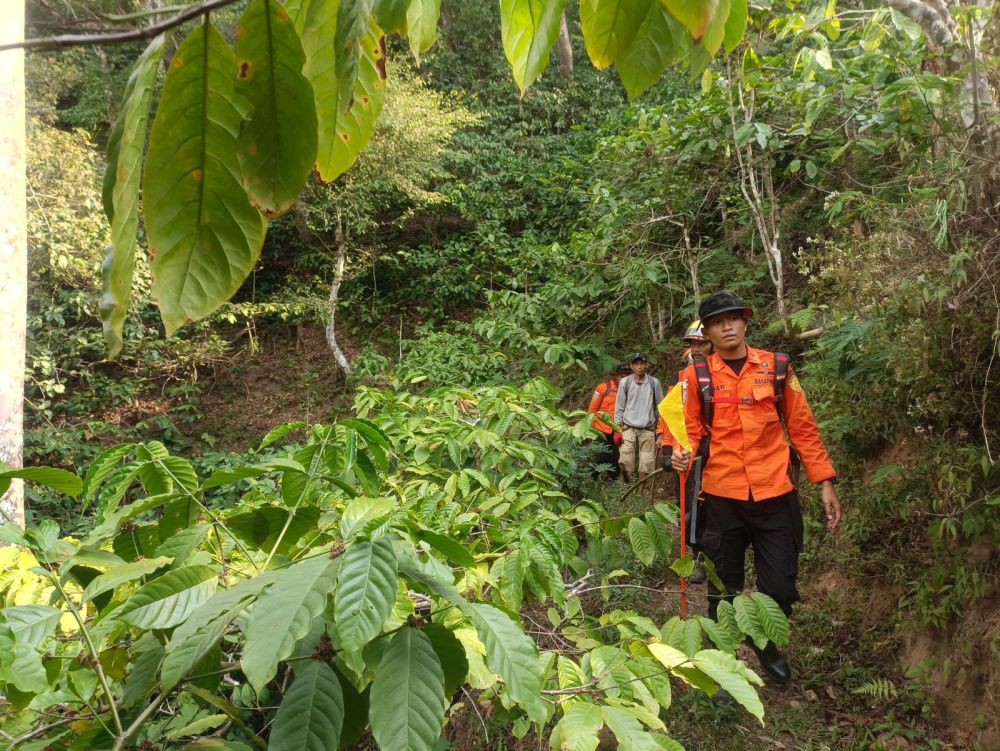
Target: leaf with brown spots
[
  {"x": 197, "y": 214},
  {"x": 277, "y": 142}
]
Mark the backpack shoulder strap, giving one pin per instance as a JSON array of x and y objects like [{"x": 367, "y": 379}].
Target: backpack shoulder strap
[
  {"x": 706, "y": 391},
  {"x": 780, "y": 381}
]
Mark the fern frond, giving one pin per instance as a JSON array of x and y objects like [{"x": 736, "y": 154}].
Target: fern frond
[{"x": 878, "y": 688}]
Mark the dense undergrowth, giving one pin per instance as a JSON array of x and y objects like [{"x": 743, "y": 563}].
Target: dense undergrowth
[{"x": 503, "y": 239}]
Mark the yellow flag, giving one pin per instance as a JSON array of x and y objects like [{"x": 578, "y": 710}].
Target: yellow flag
[{"x": 672, "y": 411}]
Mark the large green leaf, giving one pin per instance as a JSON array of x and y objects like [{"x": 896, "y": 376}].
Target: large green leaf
[
  {"x": 684, "y": 635},
  {"x": 451, "y": 653},
  {"x": 579, "y": 728},
  {"x": 204, "y": 235},
  {"x": 652, "y": 50},
  {"x": 609, "y": 26},
  {"x": 366, "y": 591},
  {"x": 277, "y": 143},
  {"x": 391, "y": 15},
  {"x": 716, "y": 31},
  {"x": 512, "y": 654},
  {"x": 356, "y": 126},
  {"x": 695, "y": 15},
  {"x": 529, "y": 29},
  {"x": 734, "y": 677},
  {"x": 284, "y": 614},
  {"x": 141, "y": 679},
  {"x": 407, "y": 701},
  {"x": 642, "y": 541},
  {"x": 186, "y": 652},
  {"x": 719, "y": 635},
  {"x": 343, "y": 133},
  {"x": 31, "y": 623},
  {"x": 57, "y": 479},
  {"x": 194, "y": 638},
  {"x": 736, "y": 25},
  {"x": 311, "y": 714},
  {"x": 260, "y": 528},
  {"x": 628, "y": 731},
  {"x": 121, "y": 192},
  {"x": 772, "y": 619},
  {"x": 421, "y": 25},
  {"x": 122, "y": 574},
  {"x": 170, "y": 599},
  {"x": 353, "y": 19}
]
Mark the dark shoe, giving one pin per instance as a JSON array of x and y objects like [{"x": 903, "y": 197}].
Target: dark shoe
[
  {"x": 773, "y": 662},
  {"x": 722, "y": 699},
  {"x": 698, "y": 575}
]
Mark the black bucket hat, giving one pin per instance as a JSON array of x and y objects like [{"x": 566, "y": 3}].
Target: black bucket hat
[
  {"x": 622, "y": 367},
  {"x": 722, "y": 301},
  {"x": 639, "y": 357}
]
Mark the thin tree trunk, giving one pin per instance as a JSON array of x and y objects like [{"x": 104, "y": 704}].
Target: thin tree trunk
[
  {"x": 338, "y": 278},
  {"x": 564, "y": 48},
  {"x": 13, "y": 256}
]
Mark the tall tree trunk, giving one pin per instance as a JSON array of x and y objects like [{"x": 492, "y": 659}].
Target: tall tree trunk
[
  {"x": 338, "y": 278},
  {"x": 564, "y": 48},
  {"x": 13, "y": 256}
]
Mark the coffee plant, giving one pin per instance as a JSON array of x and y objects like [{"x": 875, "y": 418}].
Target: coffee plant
[{"x": 361, "y": 577}]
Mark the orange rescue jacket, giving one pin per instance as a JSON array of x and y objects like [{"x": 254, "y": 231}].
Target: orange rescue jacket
[
  {"x": 603, "y": 403},
  {"x": 748, "y": 452}
]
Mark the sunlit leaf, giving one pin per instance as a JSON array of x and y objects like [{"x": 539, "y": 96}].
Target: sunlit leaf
[
  {"x": 528, "y": 29},
  {"x": 610, "y": 26}
]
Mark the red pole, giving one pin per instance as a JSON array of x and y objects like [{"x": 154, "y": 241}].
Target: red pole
[{"x": 682, "y": 477}]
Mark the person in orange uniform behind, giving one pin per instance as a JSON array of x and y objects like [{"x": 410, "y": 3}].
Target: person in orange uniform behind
[
  {"x": 749, "y": 496},
  {"x": 603, "y": 403}
]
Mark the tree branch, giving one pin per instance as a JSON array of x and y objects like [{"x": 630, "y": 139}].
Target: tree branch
[{"x": 118, "y": 37}]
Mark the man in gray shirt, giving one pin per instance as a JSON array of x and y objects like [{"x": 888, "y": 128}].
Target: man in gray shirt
[{"x": 635, "y": 411}]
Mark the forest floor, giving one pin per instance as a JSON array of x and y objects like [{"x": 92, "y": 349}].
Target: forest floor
[{"x": 844, "y": 632}]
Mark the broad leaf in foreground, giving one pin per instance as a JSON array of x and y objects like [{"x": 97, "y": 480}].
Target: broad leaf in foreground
[
  {"x": 121, "y": 192},
  {"x": 579, "y": 728},
  {"x": 734, "y": 677},
  {"x": 652, "y": 50},
  {"x": 284, "y": 614},
  {"x": 30, "y": 624},
  {"x": 57, "y": 479},
  {"x": 366, "y": 591},
  {"x": 407, "y": 702},
  {"x": 512, "y": 654},
  {"x": 642, "y": 541},
  {"x": 421, "y": 23},
  {"x": 204, "y": 235},
  {"x": 529, "y": 29},
  {"x": 122, "y": 574},
  {"x": 311, "y": 714},
  {"x": 170, "y": 599},
  {"x": 277, "y": 143},
  {"x": 609, "y": 26},
  {"x": 695, "y": 15}
]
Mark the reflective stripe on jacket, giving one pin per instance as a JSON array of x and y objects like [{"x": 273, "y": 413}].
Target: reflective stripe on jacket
[
  {"x": 603, "y": 402},
  {"x": 748, "y": 451}
]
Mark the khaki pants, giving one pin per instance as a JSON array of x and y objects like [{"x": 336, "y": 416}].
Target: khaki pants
[{"x": 641, "y": 445}]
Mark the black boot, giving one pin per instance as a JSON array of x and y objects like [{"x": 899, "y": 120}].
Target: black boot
[{"x": 773, "y": 662}]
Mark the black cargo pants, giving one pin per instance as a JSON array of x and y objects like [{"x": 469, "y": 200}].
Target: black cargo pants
[{"x": 773, "y": 528}]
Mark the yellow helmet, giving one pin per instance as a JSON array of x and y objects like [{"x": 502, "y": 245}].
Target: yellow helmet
[{"x": 694, "y": 332}]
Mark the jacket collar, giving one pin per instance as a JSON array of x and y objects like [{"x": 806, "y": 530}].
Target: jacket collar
[{"x": 716, "y": 363}]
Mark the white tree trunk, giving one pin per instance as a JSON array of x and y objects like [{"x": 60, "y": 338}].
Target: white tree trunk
[
  {"x": 13, "y": 255},
  {"x": 338, "y": 278},
  {"x": 564, "y": 49}
]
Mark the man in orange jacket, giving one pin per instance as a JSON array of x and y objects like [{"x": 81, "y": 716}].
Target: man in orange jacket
[
  {"x": 603, "y": 403},
  {"x": 750, "y": 499}
]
